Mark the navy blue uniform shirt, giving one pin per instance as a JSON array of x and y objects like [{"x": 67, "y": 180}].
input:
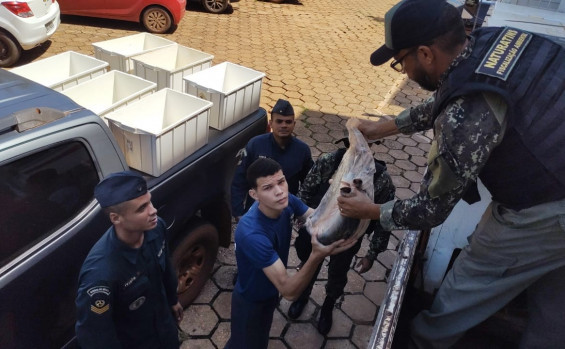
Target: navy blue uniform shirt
[
  {"x": 295, "y": 160},
  {"x": 125, "y": 294}
]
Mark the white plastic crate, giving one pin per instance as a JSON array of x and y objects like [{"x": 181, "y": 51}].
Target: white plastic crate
[
  {"x": 110, "y": 91},
  {"x": 63, "y": 71},
  {"x": 235, "y": 91},
  {"x": 160, "y": 130},
  {"x": 118, "y": 52},
  {"x": 168, "y": 65}
]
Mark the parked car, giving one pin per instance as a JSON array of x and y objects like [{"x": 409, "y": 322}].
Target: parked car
[
  {"x": 156, "y": 16},
  {"x": 24, "y": 25}
]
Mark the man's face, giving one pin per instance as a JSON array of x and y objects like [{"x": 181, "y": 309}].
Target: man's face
[
  {"x": 282, "y": 126},
  {"x": 415, "y": 71},
  {"x": 138, "y": 214},
  {"x": 271, "y": 193}
]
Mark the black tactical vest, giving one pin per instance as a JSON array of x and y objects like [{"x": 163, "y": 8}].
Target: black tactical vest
[{"x": 528, "y": 71}]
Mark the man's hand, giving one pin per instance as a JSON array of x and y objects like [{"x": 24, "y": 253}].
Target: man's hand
[
  {"x": 357, "y": 205},
  {"x": 334, "y": 248},
  {"x": 364, "y": 265},
  {"x": 373, "y": 130},
  {"x": 177, "y": 311}
]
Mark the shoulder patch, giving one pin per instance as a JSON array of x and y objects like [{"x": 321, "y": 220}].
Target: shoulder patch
[
  {"x": 504, "y": 53},
  {"x": 99, "y": 306},
  {"x": 99, "y": 299}
]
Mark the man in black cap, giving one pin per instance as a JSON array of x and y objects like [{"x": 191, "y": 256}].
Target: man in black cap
[
  {"x": 497, "y": 114},
  {"x": 127, "y": 287},
  {"x": 292, "y": 154}
]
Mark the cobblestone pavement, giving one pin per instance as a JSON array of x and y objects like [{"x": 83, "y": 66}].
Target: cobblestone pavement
[{"x": 316, "y": 54}]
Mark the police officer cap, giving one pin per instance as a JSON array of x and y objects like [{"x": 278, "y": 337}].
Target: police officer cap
[
  {"x": 120, "y": 187},
  {"x": 283, "y": 107}
]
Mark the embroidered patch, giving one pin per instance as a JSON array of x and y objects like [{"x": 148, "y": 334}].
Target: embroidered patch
[
  {"x": 504, "y": 53},
  {"x": 99, "y": 306},
  {"x": 137, "y": 303},
  {"x": 99, "y": 299},
  {"x": 98, "y": 289}
]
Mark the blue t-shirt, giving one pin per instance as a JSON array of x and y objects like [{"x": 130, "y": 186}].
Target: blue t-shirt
[{"x": 260, "y": 241}]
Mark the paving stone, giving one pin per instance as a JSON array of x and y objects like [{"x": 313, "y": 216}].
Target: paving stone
[
  {"x": 359, "y": 308},
  {"x": 362, "y": 335},
  {"x": 221, "y": 334},
  {"x": 199, "y": 320},
  {"x": 405, "y": 164},
  {"x": 355, "y": 282},
  {"x": 375, "y": 291},
  {"x": 207, "y": 294},
  {"x": 226, "y": 256},
  {"x": 341, "y": 326},
  {"x": 197, "y": 344},
  {"x": 403, "y": 193},
  {"x": 224, "y": 277},
  {"x": 318, "y": 294},
  {"x": 276, "y": 344},
  {"x": 279, "y": 323},
  {"x": 307, "y": 313},
  {"x": 376, "y": 273},
  {"x": 303, "y": 335},
  {"x": 400, "y": 182},
  {"x": 339, "y": 344},
  {"x": 387, "y": 258},
  {"x": 222, "y": 305}
]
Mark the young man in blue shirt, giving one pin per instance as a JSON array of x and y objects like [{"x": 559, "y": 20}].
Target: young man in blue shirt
[
  {"x": 292, "y": 154},
  {"x": 263, "y": 239}
]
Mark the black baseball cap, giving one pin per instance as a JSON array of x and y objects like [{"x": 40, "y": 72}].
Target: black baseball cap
[{"x": 411, "y": 23}]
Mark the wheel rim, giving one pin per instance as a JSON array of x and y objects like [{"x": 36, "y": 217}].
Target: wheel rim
[
  {"x": 190, "y": 268},
  {"x": 4, "y": 51},
  {"x": 157, "y": 20},
  {"x": 215, "y": 4}
]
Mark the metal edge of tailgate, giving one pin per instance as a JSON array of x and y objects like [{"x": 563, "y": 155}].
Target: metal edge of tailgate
[{"x": 389, "y": 311}]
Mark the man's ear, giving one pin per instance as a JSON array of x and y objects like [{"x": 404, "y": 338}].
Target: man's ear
[
  {"x": 253, "y": 194},
  {"x": 115, "y": 218},
  {"x": 426, "y": 54}
]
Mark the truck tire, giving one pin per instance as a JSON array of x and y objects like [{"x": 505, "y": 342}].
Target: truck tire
[
  {"x": 10, "y": 50},
  {"x": 193, "y": 260},
  {"x": 156, "y": 19}
]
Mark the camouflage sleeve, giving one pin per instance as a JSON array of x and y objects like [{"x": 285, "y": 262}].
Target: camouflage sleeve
[
  {"x": 465, "y": 133},
  {"x": 415, "y": 119},
  {"x": 320, "y": 173}
]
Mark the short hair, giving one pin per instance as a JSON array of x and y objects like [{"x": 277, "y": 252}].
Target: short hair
[
  {"x": 456, "y": 36},
  {"x": 261, "y": 167},
  {"x": 117, "y": 208}
]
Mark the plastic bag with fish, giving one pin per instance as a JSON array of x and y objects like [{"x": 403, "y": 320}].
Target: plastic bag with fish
[{"x": 355, "y": 170}]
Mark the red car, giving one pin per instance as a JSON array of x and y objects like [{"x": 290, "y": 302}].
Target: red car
[{"x": 157, "y": 16}]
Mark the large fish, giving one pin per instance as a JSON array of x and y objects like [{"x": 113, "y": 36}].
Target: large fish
[{"x": 355, "y": 170}]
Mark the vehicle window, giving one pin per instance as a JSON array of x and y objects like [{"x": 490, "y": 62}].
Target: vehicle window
[{"x": 41, "y": 192}]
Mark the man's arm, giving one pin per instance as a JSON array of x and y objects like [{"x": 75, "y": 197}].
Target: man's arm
[
  {"x": 467, "y": 131},
  {"x": 95, "y": 326},
  {"x": 291, "y": 287}
]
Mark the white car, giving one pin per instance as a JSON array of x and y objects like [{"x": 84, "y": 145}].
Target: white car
[{"x": 24, "y": 25}]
